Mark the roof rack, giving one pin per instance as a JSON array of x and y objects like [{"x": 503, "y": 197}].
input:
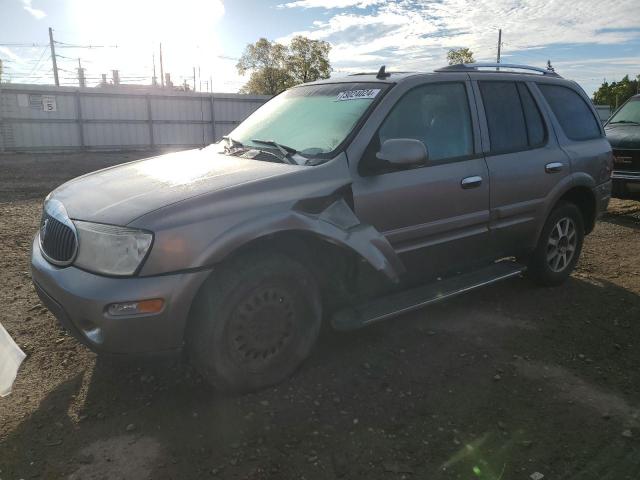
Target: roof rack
[{"x": 467, "y": 67}]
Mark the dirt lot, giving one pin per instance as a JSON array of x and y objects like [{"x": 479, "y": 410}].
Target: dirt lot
[{"x": 499, "y": 384}]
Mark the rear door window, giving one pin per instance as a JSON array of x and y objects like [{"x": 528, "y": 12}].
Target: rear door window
[
  {"x": 505, "y": 118},
  {"x": 573, "y": 113},
  {"x": 535, "y": 125}
]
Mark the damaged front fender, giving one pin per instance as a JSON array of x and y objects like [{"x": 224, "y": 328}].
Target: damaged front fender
[{"x": 337, "y": 223}]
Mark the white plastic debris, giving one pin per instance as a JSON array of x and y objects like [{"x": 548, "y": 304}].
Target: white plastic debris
[
  {"x": 10, "y": 359},
  {"x": 536, "y": 476}
]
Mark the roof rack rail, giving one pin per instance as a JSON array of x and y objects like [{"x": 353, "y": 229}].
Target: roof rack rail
[{"x": 466, "y": 67}]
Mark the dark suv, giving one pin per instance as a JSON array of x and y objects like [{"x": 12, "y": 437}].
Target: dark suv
[
  {"x": 623, "y": 132},
  {"x": 352, "y": 199}
]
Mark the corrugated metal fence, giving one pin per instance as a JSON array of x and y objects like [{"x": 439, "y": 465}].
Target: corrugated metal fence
[{"x": 43, "y": 118}]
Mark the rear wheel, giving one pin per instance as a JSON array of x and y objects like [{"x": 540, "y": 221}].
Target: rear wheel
[
  {"x": 255, "y": 321},
  {"x": 559, "y": 246}
]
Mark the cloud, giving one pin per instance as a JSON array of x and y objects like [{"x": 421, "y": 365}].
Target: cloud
[
  {"x": 415, "y": 34},
  {"x": 330, "y": 4},
  {"x": 36, "y": 13},
  {"x": 9, "y": 53}
]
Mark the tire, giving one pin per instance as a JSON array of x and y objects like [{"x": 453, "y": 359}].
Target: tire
[
  {"x": 254, "y": 322},
  {"x": 559, "y": 246}
]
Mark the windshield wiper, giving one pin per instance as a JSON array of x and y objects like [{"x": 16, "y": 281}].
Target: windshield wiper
[
  {"x": 285, "y": 150},
  {"x": 630, "y": 122},
  {"x": 233, "y": 143}
]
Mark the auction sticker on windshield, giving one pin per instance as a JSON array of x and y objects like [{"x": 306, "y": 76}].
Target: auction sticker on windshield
[{"x": 357, "y": 94}]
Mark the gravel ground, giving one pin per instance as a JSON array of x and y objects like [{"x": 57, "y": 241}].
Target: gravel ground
[{"x": 499, "y": 384}]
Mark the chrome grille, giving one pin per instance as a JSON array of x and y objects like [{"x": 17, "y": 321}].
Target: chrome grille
[{"x": 58, "y": 240}]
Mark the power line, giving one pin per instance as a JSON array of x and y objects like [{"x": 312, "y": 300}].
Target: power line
[
  {"x": 23, "y": 45},
  {"x": 37, "y": 65},
  {"x": 32, "y": 68}
]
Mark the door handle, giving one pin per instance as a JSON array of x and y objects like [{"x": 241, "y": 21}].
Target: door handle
[
  {"x": 553, "y": 167},
  {"x": 471, "y": 182}
]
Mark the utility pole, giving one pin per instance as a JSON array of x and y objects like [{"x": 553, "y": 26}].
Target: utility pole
[
  {"x": 161, "y": 66},
  {"x": 194, "y": 79},
  {"x": 53, "y": 58},
  {"x": 0, "y": 70},
  {"x": 499, "y": 44},
  {"x": 199, "y": 79},
  {"x": 154, "y": 79},
  {"x": 81, "y": 79}
]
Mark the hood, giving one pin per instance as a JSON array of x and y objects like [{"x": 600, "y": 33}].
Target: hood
[
  {"x": 120, "y": 194},
  {"x": 623, "y": 136}
]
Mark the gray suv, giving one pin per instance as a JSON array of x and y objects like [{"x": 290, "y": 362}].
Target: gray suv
[{"x": 351, "y": 200}]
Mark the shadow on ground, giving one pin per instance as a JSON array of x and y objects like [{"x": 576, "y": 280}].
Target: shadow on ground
[{"x": 498, "y": 384}]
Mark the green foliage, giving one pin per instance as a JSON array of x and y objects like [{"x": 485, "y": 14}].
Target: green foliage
[
  {"x": 456, "y": 56},
  {"x": 616, "y": 93},
  {"x": 274, "y": 67},
  {"x": 308, "y": 60}
]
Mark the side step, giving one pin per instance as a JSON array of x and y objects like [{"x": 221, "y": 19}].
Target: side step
[{"x": 409, "y": 300}]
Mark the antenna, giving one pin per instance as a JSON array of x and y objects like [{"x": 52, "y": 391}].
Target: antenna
[{"x": 382, "y": 74}]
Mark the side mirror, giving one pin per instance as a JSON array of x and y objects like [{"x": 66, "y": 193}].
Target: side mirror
[{"x": 403, "y": 152}]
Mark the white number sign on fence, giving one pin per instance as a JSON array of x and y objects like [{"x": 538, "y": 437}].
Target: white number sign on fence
[{"x": 49, "y": 103}]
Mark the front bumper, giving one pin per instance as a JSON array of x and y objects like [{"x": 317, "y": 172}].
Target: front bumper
[
  {"x": 79, "y": 299},
  {"x": 625, "y": 183}
]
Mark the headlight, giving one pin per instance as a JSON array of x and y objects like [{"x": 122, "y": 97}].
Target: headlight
[{"x": 109, "y": 249}]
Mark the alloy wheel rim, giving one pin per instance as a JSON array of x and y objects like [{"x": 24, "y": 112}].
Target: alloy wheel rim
[
  {"x": 561, "y": 245},
  {"x": 262, "y": 327}
]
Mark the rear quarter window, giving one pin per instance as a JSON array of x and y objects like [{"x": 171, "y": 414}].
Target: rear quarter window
[{"x": 573, "y": 113}]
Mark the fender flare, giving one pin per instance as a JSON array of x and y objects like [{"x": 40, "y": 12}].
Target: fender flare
[{"x": 575, "y": 179}]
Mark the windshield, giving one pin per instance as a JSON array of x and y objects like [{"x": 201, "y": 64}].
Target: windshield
[
  {"x": 313, "y": 120},
  {"x": 629, "y": 113}
]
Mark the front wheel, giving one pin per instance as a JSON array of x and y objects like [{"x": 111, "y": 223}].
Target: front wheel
[
  {"x": 559, "y": 246},
  {"x": 254, "y": 322}
]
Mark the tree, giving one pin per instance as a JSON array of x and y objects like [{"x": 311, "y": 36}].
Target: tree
[
  {"x": 616, "y": 93},
  {"x": 308, "y": 60},
  {"x": 456, "y": 56},
  {"x": 274, "y": 67},
  {"x": 267, "y": 62}
]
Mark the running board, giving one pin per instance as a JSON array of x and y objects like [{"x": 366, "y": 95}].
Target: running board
[{"x": 409, "y": 300}]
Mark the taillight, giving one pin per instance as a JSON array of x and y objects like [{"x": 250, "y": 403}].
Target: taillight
[{"x": 610, "y": 163}]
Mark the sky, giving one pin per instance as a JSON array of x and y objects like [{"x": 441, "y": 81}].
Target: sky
[{"x": 586, "y": 40}]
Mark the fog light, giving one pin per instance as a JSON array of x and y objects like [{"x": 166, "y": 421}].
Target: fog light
[{"x": 135, "y": 308}]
